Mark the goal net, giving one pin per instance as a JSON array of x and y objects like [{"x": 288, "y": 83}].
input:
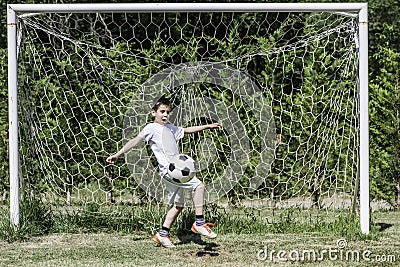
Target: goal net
[{"x": 284, "y": 86}]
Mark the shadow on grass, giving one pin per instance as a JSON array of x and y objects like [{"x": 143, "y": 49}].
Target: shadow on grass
[
  {"x": 381, "y": 227},
  {"x": 140, "y": 238},
  {"x": 209, "y": 247},
  {"x": 209, "y": 250}
]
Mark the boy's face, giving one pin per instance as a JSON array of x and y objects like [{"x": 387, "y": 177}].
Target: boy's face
[{"x": 162, "y": 114}]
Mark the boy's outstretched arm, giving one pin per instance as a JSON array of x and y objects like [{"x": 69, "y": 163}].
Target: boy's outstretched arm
[
  {"x": 195, "y": 129},
  {"x": 128, "y": 146}
]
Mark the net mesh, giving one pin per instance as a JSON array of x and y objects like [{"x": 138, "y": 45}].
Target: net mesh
[{"x": 283, "y": 86}]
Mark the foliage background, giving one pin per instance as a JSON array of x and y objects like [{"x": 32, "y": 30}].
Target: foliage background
[{"x": 384, "y": 73}]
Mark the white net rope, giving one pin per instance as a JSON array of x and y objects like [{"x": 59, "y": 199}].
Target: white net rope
[{"x": 283, "y": 86}]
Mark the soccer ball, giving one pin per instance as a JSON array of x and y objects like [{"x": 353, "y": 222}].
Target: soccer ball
[{"x": 181, "y": 168}]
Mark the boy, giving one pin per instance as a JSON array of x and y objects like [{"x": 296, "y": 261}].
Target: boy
[{"x": 163, "y": 138}]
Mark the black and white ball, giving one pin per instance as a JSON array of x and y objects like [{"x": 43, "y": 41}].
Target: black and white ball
[{"x": 181, "y": 168}]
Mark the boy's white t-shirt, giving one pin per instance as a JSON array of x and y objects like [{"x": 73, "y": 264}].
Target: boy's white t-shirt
[{"x": 163, "y": 141}]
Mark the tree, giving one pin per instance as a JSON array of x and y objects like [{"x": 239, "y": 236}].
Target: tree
[{"x": 385, "y": 119}]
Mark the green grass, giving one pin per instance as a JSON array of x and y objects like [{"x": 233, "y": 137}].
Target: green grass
[
  {"x": 136, "y": 249},
  {"x": 122, "y": 237}
]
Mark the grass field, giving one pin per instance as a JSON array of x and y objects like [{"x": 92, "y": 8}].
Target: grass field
[{"x": 284, "y": 249}]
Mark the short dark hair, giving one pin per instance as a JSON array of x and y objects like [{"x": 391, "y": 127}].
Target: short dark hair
[{"x": 160, "y": 100}]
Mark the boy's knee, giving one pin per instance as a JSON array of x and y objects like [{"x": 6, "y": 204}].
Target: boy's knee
[
  {"x": 200, "y": 187},
  {"x": 179, "y": 208}
]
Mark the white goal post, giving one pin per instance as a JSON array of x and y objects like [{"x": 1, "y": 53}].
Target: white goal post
[{"x": 14, "y": 10}]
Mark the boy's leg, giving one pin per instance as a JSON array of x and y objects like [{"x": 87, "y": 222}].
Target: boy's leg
[
  {"x": 172, "y": 214},
  {"x": 175, "y": 198},
  {"x": 198, "y": 199},
  {"x": 200, "y": 226},
  {"x": 162, "y": 237}
]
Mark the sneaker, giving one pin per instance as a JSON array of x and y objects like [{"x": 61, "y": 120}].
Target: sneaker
[
  {"x": 204, "y": 230},
  {"x": 164, "y": 241}
]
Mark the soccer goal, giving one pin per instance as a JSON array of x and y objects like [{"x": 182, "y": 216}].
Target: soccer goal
[{"x": 288, "y": 82}]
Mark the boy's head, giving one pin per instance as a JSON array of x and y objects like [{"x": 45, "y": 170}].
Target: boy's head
[
  {"x": 161, "y": 107},
  {"x": 158, "y": 101}
]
